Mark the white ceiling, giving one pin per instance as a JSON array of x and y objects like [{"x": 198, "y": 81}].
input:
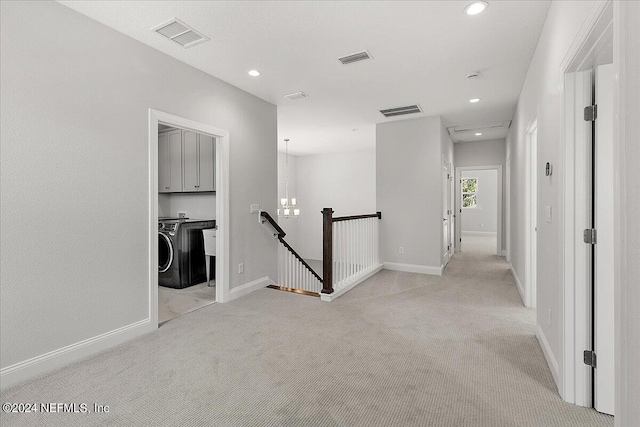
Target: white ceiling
[{"x": 422, "y": 52}]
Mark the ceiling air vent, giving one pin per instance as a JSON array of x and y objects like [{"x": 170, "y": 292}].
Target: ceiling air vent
[
  {"x": 401, "y": 111},
  {"x": 355, "y": 57},
  {"x": 179, "y": 32},
  {"x": 296, "y": 95}
]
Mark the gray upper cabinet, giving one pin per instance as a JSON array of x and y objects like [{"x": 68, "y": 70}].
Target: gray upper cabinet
[
  {"x": 185, "y": 162},
  {"x": 170, "y": 161},
  {"x": 190, "y": 161},
  {"x": 206, "y": 163}
]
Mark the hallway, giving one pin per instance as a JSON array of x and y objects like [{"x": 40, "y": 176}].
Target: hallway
[{"x": 400, "y": 349}]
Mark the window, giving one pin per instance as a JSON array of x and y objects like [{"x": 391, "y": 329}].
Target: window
[{"x": 469, "y": 191}]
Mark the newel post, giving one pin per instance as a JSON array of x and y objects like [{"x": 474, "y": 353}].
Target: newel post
[{"x": 327, "y": 251}]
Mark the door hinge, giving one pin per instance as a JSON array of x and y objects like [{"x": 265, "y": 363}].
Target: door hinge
[
  {"x": 590, "y": 358},
  {"x": 590, "y": 236},
  {"x": 448, "y": 247},
  {"x": 461, "y": 239},
  {"x": 590, "y": 113},
  {"x": 448, "y": 177}
]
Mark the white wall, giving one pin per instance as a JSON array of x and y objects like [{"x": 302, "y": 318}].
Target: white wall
[
  {"x": 344, "y": 181},
  {"x": 480, "y": 153},
  {"x": 74, "y": 178},
  {"x": 541, "y": 98},
  {"x": 409, "y": 157},
  {"x": 198, "y": 206},
  {"x": 484, "y": 217},
  {"x": 289, "y": 225}
]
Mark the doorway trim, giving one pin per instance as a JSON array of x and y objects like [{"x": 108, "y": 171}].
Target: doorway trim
[
  {"x": 531, "y": 214},
  {"x": 458, "y": 196},
  {"x": 156, "y": 118},
  {"x": 584, "y": 53}
]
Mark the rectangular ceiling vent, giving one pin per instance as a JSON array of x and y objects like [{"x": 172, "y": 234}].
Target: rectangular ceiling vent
[
  {"x": 479, "y": 128},
  {"x": 296, "y": 95},
  {"x": 355, "y": 57},
  {"x": 180, "y": 33},
  {"x": 401, "y": 111}
]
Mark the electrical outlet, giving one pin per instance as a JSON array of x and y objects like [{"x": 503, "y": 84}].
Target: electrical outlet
[
  {"x": 549, "y": 317},
  {"x": 241, "y": 268},
  {"x": 481, "y": 225},
  {"x": 254, "y": 208},
  {"x": 182, "y": 214},
  {"x": 547, "y": 213},
  {"x": 401, "y": 250}
]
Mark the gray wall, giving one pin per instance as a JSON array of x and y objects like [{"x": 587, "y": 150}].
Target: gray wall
[
  {"x": 344, "y": 181},
  {"x": 542, "y": 99},
  {"x": 483, "y": 218},
  {"x": 74, "y": 176},
  {"x": 409, "y": 189}
]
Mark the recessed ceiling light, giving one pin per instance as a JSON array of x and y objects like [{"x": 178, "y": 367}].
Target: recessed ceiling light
[
  {"x": 478, "y": 133},
  {"x": 254, "y": 73},
  {"x": 476, "y": 7},
  {"x": 474, "y": 100},
  {"x": 354, "y": 130}
]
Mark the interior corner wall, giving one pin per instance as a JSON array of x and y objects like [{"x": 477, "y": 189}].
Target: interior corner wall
[
  {"x": 75, "y": 174},
  {"x": 289, "y": 225},
  {"x": 541, "y": 98},
  {"x": 481, "y": 153},
  {"x": 344, "y": 181},
  {"x": 409, "y": 190}
]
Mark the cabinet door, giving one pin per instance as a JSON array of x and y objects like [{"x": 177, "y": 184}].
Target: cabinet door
[
  {"x": 206, "y": 164},
  {"x": 164, "y": 163},
  {"x": 175, "y": 162},
  {"x": 190, "y": 161}
]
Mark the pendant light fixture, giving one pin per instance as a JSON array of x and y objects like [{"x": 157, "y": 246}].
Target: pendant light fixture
[{"x": 287, "y": 207}]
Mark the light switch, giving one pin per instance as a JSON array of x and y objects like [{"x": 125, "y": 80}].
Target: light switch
[
  {"x": 548, "y": 213},
  {"x": 254, "y": 208}
]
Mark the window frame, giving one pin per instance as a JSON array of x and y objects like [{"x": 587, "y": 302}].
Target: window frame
[{"x": 463, "y": 193}]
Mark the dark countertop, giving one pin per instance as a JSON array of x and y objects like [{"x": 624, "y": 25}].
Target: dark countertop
[{"x": 185, "y": 220}]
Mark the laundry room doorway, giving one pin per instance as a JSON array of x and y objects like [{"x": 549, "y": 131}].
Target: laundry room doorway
[{"x": 189, "y": 211}]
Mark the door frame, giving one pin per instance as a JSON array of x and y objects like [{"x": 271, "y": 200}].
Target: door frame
[
  {"x": 156, "y": 118},
  {"x": 596, "y": 34},
  {"x": 458, "y": 207},
  {"x": 446, "y": 181},
  {"x": 531, "y": 215}
]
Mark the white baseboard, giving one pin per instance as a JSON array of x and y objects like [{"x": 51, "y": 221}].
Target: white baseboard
[
  {"x": 22, "y": 371},
  {"x": 548, "y": 354},
  {"x": 247, "y": 288},
  {"x": 414, "y": 268},
  {"x": 343, "y": 288},
  {"x": 479, "y": 233},
  {"x": 518, "y": 284}
]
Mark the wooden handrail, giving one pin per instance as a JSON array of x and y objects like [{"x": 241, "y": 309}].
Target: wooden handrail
[
  {"x": 273, "y": 223},
  {"x": 295, "y": 254},
  {"x": 280, "y": 235},
  {"x": 351, "y": 218},
  {"x": 327, "y": 244}
]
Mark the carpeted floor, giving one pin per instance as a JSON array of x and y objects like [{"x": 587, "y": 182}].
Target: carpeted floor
[{"x": 400, "y": 349}]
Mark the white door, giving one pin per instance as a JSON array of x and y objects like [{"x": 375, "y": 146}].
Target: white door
[
  {"x": 446, "y": 236},
  {"x": 604, "y": 374}
]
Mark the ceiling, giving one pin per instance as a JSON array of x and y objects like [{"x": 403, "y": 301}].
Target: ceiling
[{"x": 422, "y": 53}]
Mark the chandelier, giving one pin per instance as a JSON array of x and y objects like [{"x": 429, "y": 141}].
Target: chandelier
[{"x": 287, "y": 207}]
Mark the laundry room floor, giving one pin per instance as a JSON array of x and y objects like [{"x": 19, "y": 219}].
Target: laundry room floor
[{"x": 176, "y": 302}]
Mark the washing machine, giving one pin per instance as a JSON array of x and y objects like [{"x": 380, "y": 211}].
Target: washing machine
[
  {"x": 181, "y": 255},
  {"x": 169, "y": 254}
]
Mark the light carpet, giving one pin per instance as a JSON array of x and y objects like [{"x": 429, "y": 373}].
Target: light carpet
[{"x": 401, "y": 349}]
